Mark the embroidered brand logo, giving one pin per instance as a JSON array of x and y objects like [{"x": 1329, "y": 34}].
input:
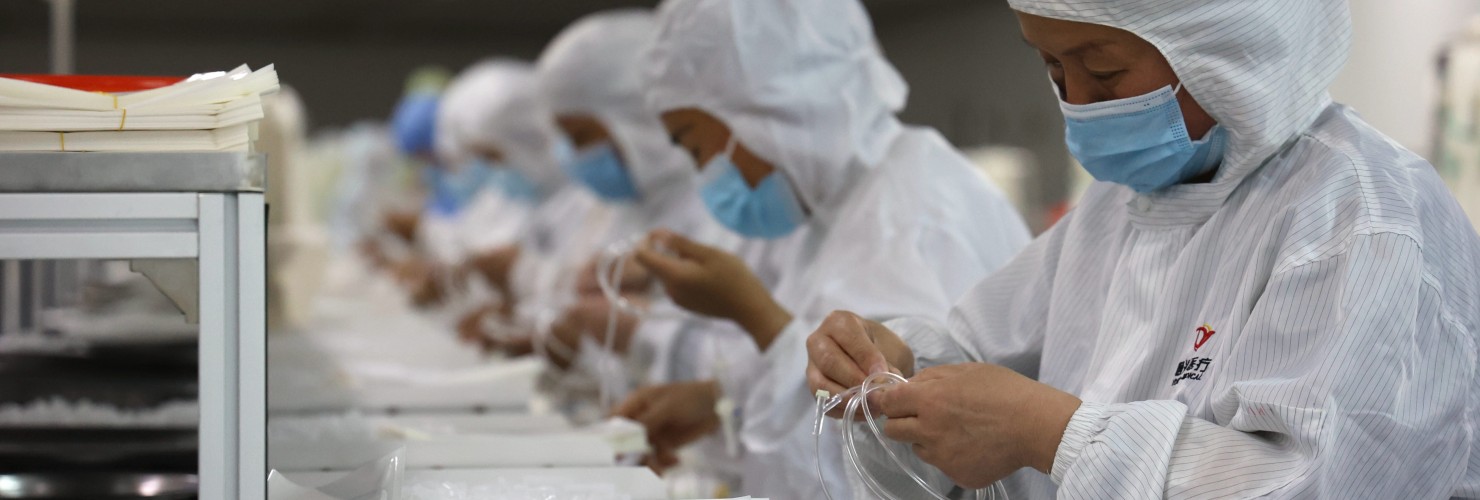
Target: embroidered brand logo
[
  {"x": 1192, "y": 369},
  {"x": 1204, "y": 333}
]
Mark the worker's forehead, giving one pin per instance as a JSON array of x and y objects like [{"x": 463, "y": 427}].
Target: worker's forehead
[{"x": 1072, "y": 38}]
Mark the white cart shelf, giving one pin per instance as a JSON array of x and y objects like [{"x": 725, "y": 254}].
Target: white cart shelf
[{"x": 202, "y": 206}]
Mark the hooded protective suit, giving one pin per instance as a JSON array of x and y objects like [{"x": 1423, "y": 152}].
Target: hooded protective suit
[
  {"x": 372, "y": 181},
  {"x": 503, "y": 111},
  {"x": 900, "y": 223},
  {"x": 1304, "y": 325},
  {"x": 493, "y": 218},
  {"x": 592, "y": 68}
]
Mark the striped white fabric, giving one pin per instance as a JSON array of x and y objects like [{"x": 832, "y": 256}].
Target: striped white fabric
[
  {"x": 1302, "y": 326},
  {"x": 912, "y": 235},
  {"x": 1310, "y": 334}
]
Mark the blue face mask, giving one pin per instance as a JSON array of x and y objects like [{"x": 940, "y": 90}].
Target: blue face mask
[
  {"x": 451, "y": 192},
  {"x": 1140, "y": 142},
  {"x": 599, "y": 168},
  {"x": 771, "y": 210},
  {"x": 509, "y": 181}
]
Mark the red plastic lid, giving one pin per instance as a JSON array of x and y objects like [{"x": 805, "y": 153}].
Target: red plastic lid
[{"x": 101, "y": 83}]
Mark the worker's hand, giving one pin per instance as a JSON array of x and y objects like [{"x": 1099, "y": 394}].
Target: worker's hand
[
  {"x": 674, "y": 415},
  {"x": 977, "y": 422},
  {"x": 433, "y": 284},
  {"x": 470, "y": 326},
  {"x": 660, "y": 461},
  {"x": 403, "y": 224},
  {"x": 635, "y": 278},
  {"x": 512, "y": 346},
  {"x": 847, "y": 348},
  {"x": 708, "y": 281},
  {"x": 495, "y": 266},
  {"x": 594, "y": 315},
  {"x": 411, "y": 272},
  {"x": 589, "y": 318},
  {"x": 373, "y": 253},
  {"x": 430, "y": 284},
  {"x": 472, "y": 329}
]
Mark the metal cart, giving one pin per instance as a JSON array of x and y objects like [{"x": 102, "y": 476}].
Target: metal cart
[{"x": 194, "y": 223}]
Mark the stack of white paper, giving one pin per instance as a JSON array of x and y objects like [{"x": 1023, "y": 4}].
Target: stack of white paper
[{"x": 207, "y": 112}]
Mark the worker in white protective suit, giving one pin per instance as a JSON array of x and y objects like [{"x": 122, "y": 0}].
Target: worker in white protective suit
[
  {"x": 447, "y": 193},
  {"x": 1263, "y": 297},
  {"x": 505, "y": 124},
  {"x": 423, "y": 238},
  {"x": 591, "y": 76},
  {"x": 788, "y": 108},
  {"x": 610, "y": 144},
  {"x": 488, "y": 203},
  {"x": 503, "y": 197}
]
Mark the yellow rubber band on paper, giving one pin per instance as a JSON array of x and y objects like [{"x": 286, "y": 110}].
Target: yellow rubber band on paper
[
  {"x": 114, "y": 96},
  {"x": 62, "y": 138},
  {"x": 123, "y": 118}
]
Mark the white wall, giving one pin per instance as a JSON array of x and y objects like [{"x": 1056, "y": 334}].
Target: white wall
[{"x": 1391, "y": 78}]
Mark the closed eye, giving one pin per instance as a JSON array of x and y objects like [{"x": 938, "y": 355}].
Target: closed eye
[{"x": 676, "y": 137}]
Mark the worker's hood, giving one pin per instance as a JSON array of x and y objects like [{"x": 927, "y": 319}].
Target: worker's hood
[
  {"x": 592, "y": 68},
  {"x": 802, "y": 84},
  {"x": 495, "y": 104},
  {"x": 1261, "y": 68}
]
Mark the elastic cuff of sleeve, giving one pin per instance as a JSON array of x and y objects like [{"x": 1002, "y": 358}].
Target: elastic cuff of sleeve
[{"x": 1082, "y": 427}]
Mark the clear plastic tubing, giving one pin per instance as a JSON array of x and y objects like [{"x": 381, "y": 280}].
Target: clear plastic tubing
[
  {"x": 857, "y": 398},
  {"x": 609, "y": 268}
]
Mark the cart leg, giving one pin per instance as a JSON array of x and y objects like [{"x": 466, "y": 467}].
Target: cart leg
[
  {"x": 252, "y": 345},
  {"x": 218, "y": 347}
]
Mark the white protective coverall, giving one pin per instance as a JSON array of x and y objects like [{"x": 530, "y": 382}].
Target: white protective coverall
[
  {"x": 492, "y": 219},
  {"x": 592, "y": 68},
  {"x": 900, "y": 223},
  {"x": 1301, "y": 326},
  {"x": 506, "y": 112}
]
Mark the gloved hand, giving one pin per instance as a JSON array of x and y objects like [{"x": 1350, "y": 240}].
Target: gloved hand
[
  {"x": 711, "y": 282},
  {"x": 674, "y": 415},
  {"x": 847, "y": 349}
]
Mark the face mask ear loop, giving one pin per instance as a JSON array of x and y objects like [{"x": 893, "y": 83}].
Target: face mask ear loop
[
  {"x": 730, "y": 145},
  {"x": 729, "y": 152}
]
